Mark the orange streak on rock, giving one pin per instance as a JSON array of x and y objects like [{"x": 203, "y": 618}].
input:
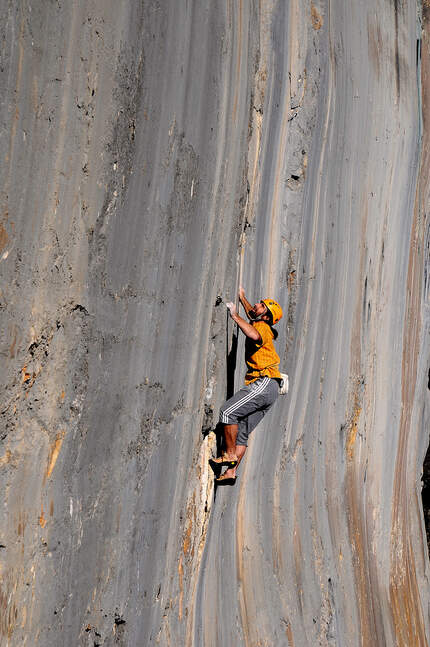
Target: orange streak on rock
[
  {"x": 404, "y": 591},
  {"x": 289, "y": 633},
  {"x": 3, "y": 237},
  {"x": 317, "y": 21},
  {"x": 5, "y": 459},
  {"x": 53, "y": 453},
  {"x": 181, "y": 587},
  {"x": 25, "y": 377},
  {"x": 187, "y": 538},
  {"x": 352, "y": 433},
  {"x": 42, "y": 520}
]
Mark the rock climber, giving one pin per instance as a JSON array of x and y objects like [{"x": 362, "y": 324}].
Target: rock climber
[{"x": 246, "y": 408}]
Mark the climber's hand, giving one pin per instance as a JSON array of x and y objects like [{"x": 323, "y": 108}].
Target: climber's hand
[
  {"x": 241, "y": 293},
  {"x": 232, "y": 307}
]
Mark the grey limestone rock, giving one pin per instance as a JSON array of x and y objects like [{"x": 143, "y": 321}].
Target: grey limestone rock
[{"x": 155, "y": 154}]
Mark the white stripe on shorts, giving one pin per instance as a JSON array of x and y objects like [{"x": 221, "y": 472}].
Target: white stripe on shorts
[{"x": 245, "y": 399}]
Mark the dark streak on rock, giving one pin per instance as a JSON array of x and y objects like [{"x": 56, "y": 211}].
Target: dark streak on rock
[
  {"x": 397, "y": 63},
  {"x": 425, "y": 493},
  {"x": 364, "y": 298}
]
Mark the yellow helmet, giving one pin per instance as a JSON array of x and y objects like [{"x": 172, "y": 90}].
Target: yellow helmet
[{"x": 274, "y": 309}]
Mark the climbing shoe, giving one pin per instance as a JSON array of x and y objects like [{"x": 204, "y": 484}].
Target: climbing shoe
[
  {"x": 225, "y": 480},
  {"x": 223, "y": 460}
]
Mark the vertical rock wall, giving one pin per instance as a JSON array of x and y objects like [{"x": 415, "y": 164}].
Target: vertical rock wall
[{"x": 153, "y": 153}]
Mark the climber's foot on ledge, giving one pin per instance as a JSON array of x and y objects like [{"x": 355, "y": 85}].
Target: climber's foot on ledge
[
  {"x": 226, "y": 479},
  {"x": 224, "y": 459}
]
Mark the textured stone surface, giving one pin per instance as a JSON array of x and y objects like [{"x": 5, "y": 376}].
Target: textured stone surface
[{"x": 155, "y": 152}]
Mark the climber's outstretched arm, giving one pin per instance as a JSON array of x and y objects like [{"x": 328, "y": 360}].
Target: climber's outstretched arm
[
  {"x": 246, "y": 305},
  {"x": 245, "y": 327}
]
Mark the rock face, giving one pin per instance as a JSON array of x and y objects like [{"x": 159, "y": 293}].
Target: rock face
[{"x": 154, "y": 155}]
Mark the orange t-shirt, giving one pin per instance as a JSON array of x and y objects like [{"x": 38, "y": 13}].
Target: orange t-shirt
[{"x": 261, "y": 359}]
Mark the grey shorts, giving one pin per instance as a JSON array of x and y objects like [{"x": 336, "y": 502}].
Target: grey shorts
[{"x": 247, "y": 407}]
